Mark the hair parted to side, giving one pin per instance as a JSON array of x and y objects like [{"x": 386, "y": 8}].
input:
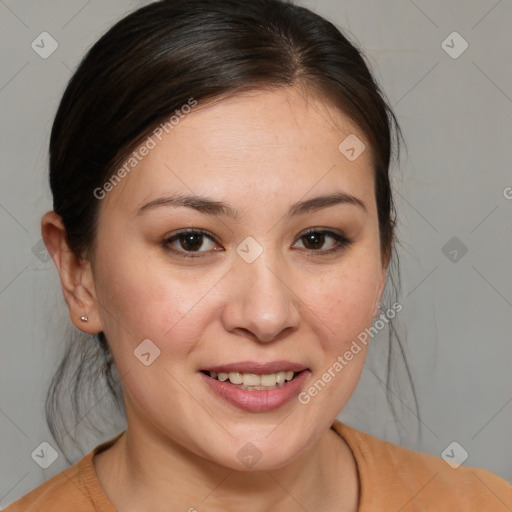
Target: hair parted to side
[{"x": 147, "y": 66}]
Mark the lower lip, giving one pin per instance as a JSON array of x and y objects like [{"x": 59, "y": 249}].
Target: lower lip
[{"x": 260, "y": 400}]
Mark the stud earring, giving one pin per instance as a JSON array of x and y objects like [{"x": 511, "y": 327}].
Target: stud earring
[{"x": 84, "y": 318}]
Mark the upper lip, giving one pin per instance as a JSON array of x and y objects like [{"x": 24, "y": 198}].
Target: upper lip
[{"x": 257, "y": 368}]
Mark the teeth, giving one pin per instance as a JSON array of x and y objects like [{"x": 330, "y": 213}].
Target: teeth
[
  {"x": 236, "y": 378},
  {"x": 267, "y": 380},
  {"x": 250, "y": 380}
]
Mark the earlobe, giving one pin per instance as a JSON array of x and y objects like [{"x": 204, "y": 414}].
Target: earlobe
[{"x": 75, "y": 275}]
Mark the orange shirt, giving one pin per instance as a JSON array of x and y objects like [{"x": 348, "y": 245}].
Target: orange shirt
[{"x": 392, "y": 479}]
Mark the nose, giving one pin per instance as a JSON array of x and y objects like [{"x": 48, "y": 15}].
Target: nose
[{"x": 262, "y": 303}]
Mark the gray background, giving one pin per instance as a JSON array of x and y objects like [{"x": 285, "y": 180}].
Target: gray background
[{"x": 455, "y": 113}]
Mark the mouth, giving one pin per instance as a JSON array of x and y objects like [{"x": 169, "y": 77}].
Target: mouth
[
  {"x": 253, "y": 381},
  {"x": 258, "y": 388}
]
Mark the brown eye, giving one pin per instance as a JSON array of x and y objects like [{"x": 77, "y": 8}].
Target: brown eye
[
  {"x": 188, "y": 242},
  {"x": 315, "y": 239},
  {"x": 191, "y": 241}
]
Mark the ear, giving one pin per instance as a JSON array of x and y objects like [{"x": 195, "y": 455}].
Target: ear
[{"x": 75, "y": 275}]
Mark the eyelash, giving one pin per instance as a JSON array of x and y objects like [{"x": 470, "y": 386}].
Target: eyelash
[{"x": 342, "y": 242}]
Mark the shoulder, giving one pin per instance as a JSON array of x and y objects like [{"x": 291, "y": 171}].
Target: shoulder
[
  {"x": 394, "y": 477},
  {"x": 76, "y": 488},
  {"x": 56, "y": 494}
]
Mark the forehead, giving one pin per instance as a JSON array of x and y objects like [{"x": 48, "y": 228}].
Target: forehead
[{"x": 248, "y": 146}]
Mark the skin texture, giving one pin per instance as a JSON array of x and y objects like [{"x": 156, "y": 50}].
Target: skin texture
[{"x": 260, "y": 151}]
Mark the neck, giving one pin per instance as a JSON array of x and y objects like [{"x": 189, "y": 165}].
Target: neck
[{"x": 144, "y": 471}]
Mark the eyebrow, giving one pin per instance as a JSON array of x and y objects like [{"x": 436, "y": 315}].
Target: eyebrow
[{"x": 218, "y": 208}]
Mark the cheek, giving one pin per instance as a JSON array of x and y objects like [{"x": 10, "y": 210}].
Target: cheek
[
  {"x": 340, "y": 309},
  {"x": 139, "y": 301},
  {"x": 343, "y": 301}
]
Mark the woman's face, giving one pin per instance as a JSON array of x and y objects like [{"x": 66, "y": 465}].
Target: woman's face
[{"x": 251, "y": 287}]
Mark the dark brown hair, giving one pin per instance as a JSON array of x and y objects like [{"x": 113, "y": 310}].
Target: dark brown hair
[{"x": 146, "y": 67}]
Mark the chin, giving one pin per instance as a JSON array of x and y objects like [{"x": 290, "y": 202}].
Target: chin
[{"x": 260, "y": 452}]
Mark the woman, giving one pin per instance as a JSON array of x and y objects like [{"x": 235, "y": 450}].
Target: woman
[{"x": 223, "y": 224}]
